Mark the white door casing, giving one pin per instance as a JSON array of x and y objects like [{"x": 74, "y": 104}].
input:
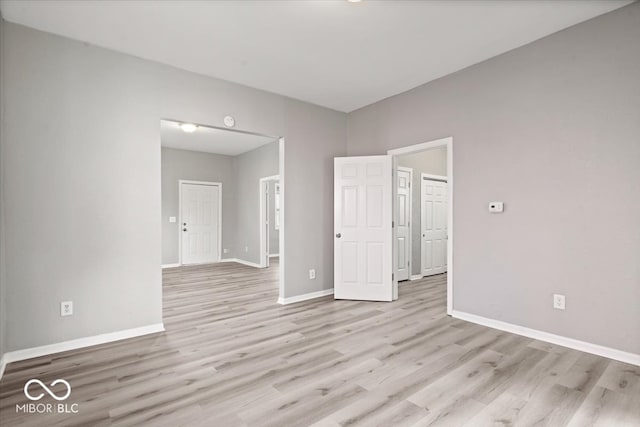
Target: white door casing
[
  {"x": 434, "y": 230},
  {"x": 200, "y": 222},
  {"x": 363, "y": 242},
  {"x": 403, "y": 223}
]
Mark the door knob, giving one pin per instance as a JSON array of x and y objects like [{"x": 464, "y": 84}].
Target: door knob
[
  {"x": 184, "y": 229},
  {"x": 338, "y": 235}
]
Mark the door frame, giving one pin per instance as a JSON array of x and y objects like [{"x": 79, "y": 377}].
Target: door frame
[
  {"x": 207, "y": 183},
  {"x": 410, "y": 227},
  {"x": 430, "y": 145},
  {"x": 264, "y": 217},
  {"x": 431, "y": 177}
]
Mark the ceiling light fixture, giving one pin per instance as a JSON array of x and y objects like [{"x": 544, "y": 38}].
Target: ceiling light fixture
[
  {"x": 188, "y": 127},
  {"x": 354, "y": 1}
]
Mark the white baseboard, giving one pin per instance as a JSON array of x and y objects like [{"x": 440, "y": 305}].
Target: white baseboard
[
  {"x": 416, "y": 277},
  {"x": 29, "y": 353},
  {"x": 587, "y": 347},
  {"x": 170, "y": 265},
  {"x": 3, "y": 364},
  {"x": 243, "y": 262},
  {"x": 274, "y": 255},
  {"x": 305, "y": 297}
]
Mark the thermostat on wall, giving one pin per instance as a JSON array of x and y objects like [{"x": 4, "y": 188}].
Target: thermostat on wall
[{"x": 496, "y": 207}]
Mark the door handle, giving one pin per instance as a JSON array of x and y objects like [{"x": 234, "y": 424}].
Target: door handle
[
  {"x": 184, "y": 229},
  {"x": 338, "y": 235}
]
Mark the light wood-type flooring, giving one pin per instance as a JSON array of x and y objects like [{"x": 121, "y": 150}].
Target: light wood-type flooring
[{"x": 231, "y": 356}]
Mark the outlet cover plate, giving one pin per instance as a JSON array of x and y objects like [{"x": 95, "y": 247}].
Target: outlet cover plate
[{"x": 66, "y": 308}]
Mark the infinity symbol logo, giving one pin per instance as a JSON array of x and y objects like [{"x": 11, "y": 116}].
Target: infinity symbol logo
[{"x": 47, "y": 389}]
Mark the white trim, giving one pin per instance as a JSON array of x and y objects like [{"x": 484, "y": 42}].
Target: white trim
[
  {"x": 584, "y": 346},
  {"x": 242, "y": 261},
  {"x": 281, "y": 268},
  {"x": 305, "y": 297},
  {"x": 263, "y": 218},
  {"x": 416, "y": 277},
  {"x": 442, "y": 142},
  {"x": 433, "y": 177},
  {"x": 3, "y": 365},
  {"x": 29, "y": 353},
  {"x": 274, "y": 255},
  {"x": 170, "y": 265},
  {"x": 213, "y": 184}
]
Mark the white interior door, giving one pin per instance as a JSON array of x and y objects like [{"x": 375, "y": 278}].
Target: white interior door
[
  {"x": 363, "y": 243},
  {"x": 434, "y": 226},
  {"x": 200, "y": 222},
  {"x": 403, "y": 218}
]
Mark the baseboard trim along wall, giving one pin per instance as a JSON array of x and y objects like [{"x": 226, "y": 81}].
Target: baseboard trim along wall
[
  {"x": 611, "y": 353},
  {"x": 241, "y": 261},
  {"x": 29, "y": 353},
  {"x": 274, "y": 255},
  {"x": 416, "y": 277},
  {"x": 305, "y": 297},
  {"x": 170, "y": 265},
  {"x": 3, "y": 364}
]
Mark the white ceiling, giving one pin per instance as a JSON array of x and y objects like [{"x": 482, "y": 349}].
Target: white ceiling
[
  {"x": 210, "y": 140},
  {"x": 333, "y": 53}
]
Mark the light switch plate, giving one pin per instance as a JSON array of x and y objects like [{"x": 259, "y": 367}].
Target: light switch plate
[{"x": 172, "y": 219}]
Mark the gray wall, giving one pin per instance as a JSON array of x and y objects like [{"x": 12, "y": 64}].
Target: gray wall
[
  {"x": 553, "y": 130},
  {"x": 82, "y": 181},
  {"x": 274, "y": 235},
  {"x": 251, "y": 166},
  {"x": 3, "y": 310},
  {"x": 196, "y": 166},
  {"x": 433, "y": 162}
]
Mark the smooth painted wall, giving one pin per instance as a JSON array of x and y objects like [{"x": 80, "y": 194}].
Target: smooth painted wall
[
  {"x": 552, "y": 129},
  {"x": 433, "y": 162},
  {"x": 196, "y": 166},
  {"x": 3, "y": 310},
  {"x": 251, "y": 166},
  {"x": 82, "y": 181}
]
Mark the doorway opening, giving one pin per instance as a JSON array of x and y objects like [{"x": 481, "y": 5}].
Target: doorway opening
[
  {"x": 212, "y": 215},
  {"x": 423, "y": 212}
]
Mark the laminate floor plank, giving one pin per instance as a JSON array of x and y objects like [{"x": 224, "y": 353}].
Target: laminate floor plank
[{"x": 231, "y": 356}]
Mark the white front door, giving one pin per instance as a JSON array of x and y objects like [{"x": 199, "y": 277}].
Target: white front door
[
  {"x": 434, "y": 226},
  {"x": 200, "y": 220},
  {"x": 363, "y": 242},
  {"x": 403, "y": 218}
]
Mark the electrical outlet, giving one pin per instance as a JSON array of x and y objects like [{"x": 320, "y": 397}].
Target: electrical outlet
[
  {"x": 558, "y": 301},
  {"x": 312, "y": 273},
  {"x": 225, "y": 250},
  {"x": 246, "y": 248},
  {"x": 66, "y": 308}
]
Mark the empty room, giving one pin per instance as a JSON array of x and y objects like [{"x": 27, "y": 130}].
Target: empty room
[{"x": 319, "y": 213}]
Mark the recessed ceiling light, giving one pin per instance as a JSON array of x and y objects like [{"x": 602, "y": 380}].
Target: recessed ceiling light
[
  {"x": 354, "y": 1},
  {"x": 188, "y": 127}
]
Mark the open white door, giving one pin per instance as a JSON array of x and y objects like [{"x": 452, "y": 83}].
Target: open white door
[
  {"x": 403, "y": 222},
  {"x": 363, "y": 241},
  {"x": 434, "y": 201}
]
